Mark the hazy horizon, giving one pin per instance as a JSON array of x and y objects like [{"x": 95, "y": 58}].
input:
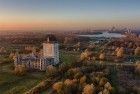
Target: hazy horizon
[{"x": 69, "y": 14}]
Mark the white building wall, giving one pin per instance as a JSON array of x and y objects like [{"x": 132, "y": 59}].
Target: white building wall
[
  {"x": 51, "y": 50},
  {"x": 48, "y": 50}
]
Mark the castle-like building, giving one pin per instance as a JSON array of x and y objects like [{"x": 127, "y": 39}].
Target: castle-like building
[{"x": 50, "y": 55}]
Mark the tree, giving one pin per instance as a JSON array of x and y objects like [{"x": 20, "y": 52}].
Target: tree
[
  {"x": 86, "y": 55},
  {"x": 102, "y": 81},
  {"x": 51, "y": 70},
  {"x": 70, "y": 86},
  {"x": 105, "y": 91},
  {"x": 71, "y": 72},
  {"x": 58, "y": 86},
  {"x": 20, "y": 69},
  {"x": 68, "y": 82},
  {"x": 102, "y": 56},
  {"x": 108, "y": 86},
  {"x": 83, "y": 56},
  {"x": 137, "y": 67},
  {"x": 11, "y": 55},
  {"x": 78, "y": 75},
  {"x": 83, "y": 79},
  {"x": 89, "y": 89},
  {"x": 117, "y": 49},
  {"x": 120, "y": 52},
  {"x": 137, "y": 51}
]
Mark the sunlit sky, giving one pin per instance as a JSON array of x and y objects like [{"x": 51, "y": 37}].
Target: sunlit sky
[{"x": 68, "y": 14}]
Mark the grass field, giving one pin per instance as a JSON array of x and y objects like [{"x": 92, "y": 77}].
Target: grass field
[
  {"x": 12, "y": 84},
  {"x": 69, "y": 57}
]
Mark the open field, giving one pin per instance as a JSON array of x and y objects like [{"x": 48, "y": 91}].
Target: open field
[
  {"x": 69, "y": 57},
  {"x": 12, "y": 84}
]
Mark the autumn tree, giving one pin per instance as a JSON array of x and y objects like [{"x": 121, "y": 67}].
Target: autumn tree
[
  {"x": 102, "y": 81},
  {"x": 58, "y": 86},
  {"x": 78, "y": 75},
  {"x": 20, "y": 69},
  {"x": 11, "y": 55},
  {"x": 68, "y": 82},
  {"x": 105, "y": 91},
  {"x": 137, "y": 51},
  {"x": 102, "y": 56},
  {"x": 89, "y": 89},
  {"x": 120, "y": 52},
  {"x": 71, "y": 72},
  {"x": 70, "y": 86},
  {"x": 51, "y": 70},
  {"x": 137, "y": 67},
  {"x": 108, "y": 86},
  {"x": 117, "y": 49},
  {"x": 83, "y": 79},
  {"x": 86, "y": 55}
]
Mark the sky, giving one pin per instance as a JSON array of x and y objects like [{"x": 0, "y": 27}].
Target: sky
[{"x": 68, "y": 14}]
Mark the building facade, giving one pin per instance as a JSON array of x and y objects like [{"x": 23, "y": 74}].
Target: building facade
[
  {"x": 51, "y": 50},
  {"x": 50, "y": 56}
]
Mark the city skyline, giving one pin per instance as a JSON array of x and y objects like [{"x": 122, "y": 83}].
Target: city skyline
[{"x": 68, "y": 14}]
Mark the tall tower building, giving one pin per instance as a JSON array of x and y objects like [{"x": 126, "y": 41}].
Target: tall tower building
[{"x": 51, "y": 50}]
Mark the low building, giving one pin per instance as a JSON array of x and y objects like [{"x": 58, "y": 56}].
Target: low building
[{"x": 40, "y": 62}]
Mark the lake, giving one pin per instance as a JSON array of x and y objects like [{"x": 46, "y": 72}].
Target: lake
[{"x": 104, "y": 34}]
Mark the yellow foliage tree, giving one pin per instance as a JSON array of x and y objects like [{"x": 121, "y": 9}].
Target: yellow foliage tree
[
  {"x": 11, "y": 55},
  {"x": 69, "y": 82},
  {"x": 108, "y": 86},
  {"x": 58, "y": 86},
  {"x": 102, "y": 81},
  {"x": 83, "y": 79},
  {"x": 137, "y": 51},
  {"x": 20, "y": 69},
  {"x": 102, "y": 56},
  {"x": 83, "y": 56},
  {"x": 117, "y": 49},
  {"x": 137, "y": 67},
  {"x": 86, "y": 55},
  {"x": 105, "y": 91},
  {"x": 89, "y": 89},
  {"x": 120, "y": 52}
]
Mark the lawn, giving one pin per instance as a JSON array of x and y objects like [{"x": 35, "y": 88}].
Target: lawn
[
  {"x": 12, "y": 84},
  {"x": 69, "y": 57}
]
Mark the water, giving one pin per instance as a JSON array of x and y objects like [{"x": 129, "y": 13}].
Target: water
[{"x": 104, "y": 34}]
